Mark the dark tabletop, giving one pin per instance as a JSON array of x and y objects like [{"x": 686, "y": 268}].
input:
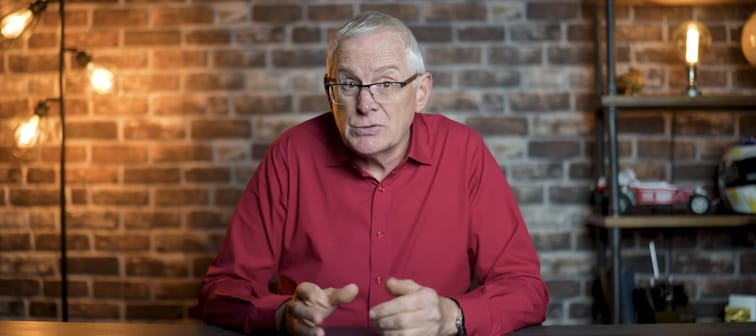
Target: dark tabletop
[{"x": 38, "y": 328}]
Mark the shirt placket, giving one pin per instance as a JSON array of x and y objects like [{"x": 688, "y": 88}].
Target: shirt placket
[{"x": 379, "y": 251}]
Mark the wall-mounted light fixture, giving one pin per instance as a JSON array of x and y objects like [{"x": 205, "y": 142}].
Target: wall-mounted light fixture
[
  {"x": 101, "y": 79},
  {"x": 38, "y": 128},
  {"x": 691, "y": 40},
  {"x": 27, "y": 133},
  {"x": 18, "y": 21}
]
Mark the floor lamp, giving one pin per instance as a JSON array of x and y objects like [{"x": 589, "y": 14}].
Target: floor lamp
[{"x": 29, "y": 132}]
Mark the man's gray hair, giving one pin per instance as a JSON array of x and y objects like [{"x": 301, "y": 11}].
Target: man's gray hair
[{"x": 367, "y": 22}]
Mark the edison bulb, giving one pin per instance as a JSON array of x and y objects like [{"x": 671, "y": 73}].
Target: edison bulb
[
  {"x": 14, "y": 24},
  {"x": 100, "y": 78},
  {"x": 691, "y": 40}
]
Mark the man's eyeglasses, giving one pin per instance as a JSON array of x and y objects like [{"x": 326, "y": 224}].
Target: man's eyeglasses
[{"x": 347, "y": 92}]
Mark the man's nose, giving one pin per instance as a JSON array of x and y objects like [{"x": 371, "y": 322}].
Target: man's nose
[{"x": 365, "y": 100}]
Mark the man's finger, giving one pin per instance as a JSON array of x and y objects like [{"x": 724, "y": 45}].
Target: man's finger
[
  {"x": 310, "y": 293},
  {"x": 343, "y": 295},
  {"x": 399, "y": 287}
]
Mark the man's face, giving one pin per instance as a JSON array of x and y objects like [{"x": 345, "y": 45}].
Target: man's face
[{"x": 377, "y": 129}]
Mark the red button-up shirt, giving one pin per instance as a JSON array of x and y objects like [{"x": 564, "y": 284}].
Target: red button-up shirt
[{"x": 310, "y": 214}]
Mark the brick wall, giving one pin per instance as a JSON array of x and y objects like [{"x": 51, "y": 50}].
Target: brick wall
[{"x": 155, "y": 169}]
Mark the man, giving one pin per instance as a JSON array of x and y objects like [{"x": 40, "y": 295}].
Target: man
[{"x": 375, "y": 214}]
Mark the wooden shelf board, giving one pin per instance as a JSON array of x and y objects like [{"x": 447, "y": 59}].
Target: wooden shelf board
[
  {"x": 677, "y": 102},
  {"x": 675, "y": 2},
  {"x": 670, "y": 221}
]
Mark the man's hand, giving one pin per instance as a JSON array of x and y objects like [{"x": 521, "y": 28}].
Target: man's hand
[
  {"x": 416, "y": 310},
  {"x": 310, "y": 306}
]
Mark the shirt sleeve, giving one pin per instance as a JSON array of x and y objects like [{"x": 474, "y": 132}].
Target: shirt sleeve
[
  {"x": 511, "y": 293},
  {"x": 235, "y": 291}
]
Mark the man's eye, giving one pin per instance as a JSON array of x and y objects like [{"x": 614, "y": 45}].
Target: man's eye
[
  {"x": 349, "y": 85},
  {"x": 386, "y": 85}
]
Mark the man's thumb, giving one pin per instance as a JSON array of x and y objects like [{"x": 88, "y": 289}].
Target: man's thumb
[
  {"x": 399, "y": 287},
  {"x": 343, "y": 295}
]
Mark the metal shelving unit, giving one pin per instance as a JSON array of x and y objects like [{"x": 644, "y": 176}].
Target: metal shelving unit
[{"x": 608, "y": 105}]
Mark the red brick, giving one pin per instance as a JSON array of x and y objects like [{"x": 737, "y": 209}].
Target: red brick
[
  {"x": 15, "y": 242},
  {"x": 208, "y": 37},
  {"x": 38, "y": 309},
  {"x": 129, "y": 290},
  {"x": 95, "y": 219},
  {"x": 276, "y": 13},
  {"x": 93, "y": 265},
  {"x": 505, "y": 126},
  {"x": 207, "y": 174},
  {"x": 149, "y": 83},
  {"x": 120, "y": 197},
  {"x": 207, "y": 220},
  {"x": 151, "y": 175},
  {"x": 94, "y": 311},
  {"x": 51, "y": 242},
  {"x": 182, "y": 153},
  {"x": 178, "y": 105},
  {"x": 14, "y": 107},
  {"x": 179, "y": 243},
  {"x": 119, "y": 18},
  {"x": 122, "y": 242},
  {"x": 453, "y": 55},
  {"x": 553, "y": 10},
  {"x": 41, "y": 175},
  {"x": 120, "y": 106},
  {"x": 20, "y": 287},
  {"x": 408, "y": 13},
  {"x": 87, "y": 175},
  {"x": 10, "y": 175},
  {"x": 152, "y": 38},
  {"x": 455, "y": 12},
  {"x": 214, "y": 81},
  {"x": 339, "y": 13},
  {"x": 91, "y": 130},
  {"x": 151, "y": 220},
  {"x": 34, "y": 197},
  {"x": 260, "y": 34},
  {"x": 168, "y": 59},
  {"x": 288, "y": 58},
  {"x": 92, "y": 39},
  {"x": 163, "y": 266},
  {"x": 76, "y": 288},
  {"x": 42, "y": 40},
  {"x": 37, "y": 265},
  {"x": 119, "y": 154},
  {"x": 238, "y": 58},
  {"x": 221, "y": 129},
  {"x": 226, "y": 196},
  {"x": 182, "y": 16},
  {"x": 181, "y": 197},
  {"x": 177, "y": 290},
  {"x": 32, "y": 63},
  {"x": 306, "y": 35}
]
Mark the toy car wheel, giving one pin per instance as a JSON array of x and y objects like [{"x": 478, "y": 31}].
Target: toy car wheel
[
  {"x": 624, "y": 204},
  {"x": 699, "y": 204}
]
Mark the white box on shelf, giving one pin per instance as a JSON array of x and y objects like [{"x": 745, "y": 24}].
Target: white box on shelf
[{"x": 744, "y": 301}]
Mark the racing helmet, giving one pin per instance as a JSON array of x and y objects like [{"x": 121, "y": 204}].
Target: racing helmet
[{"x": 736, "y": 177}]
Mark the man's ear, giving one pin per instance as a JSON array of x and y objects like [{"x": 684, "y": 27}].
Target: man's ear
[{"x": 423, "y": 91}]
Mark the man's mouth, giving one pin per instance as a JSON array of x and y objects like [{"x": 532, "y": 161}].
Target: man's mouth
[{"x": 365, "y": 130}]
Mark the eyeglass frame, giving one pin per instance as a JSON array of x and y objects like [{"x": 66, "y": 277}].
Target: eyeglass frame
[{"x": 328, "y": 82}]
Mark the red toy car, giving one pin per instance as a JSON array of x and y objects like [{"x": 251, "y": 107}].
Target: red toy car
[{"x": 634, "y": 193}]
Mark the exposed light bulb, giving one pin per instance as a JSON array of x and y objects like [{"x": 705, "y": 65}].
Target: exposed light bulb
[
  {"x": 100, "y": 78},
  {"x": 14, "y": 24},
  {"x": 27, "y": 134},
  {"x": 691, "y": 45}
]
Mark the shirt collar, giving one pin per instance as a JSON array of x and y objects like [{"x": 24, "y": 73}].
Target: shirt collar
[{"x": 419, "y": 148}]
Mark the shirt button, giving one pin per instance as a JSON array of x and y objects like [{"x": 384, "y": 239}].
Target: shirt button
[
  {"x": 378, "y": 280},
  {"x": 379, "y": 234},
  {"x": 381, "y": 188}
]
